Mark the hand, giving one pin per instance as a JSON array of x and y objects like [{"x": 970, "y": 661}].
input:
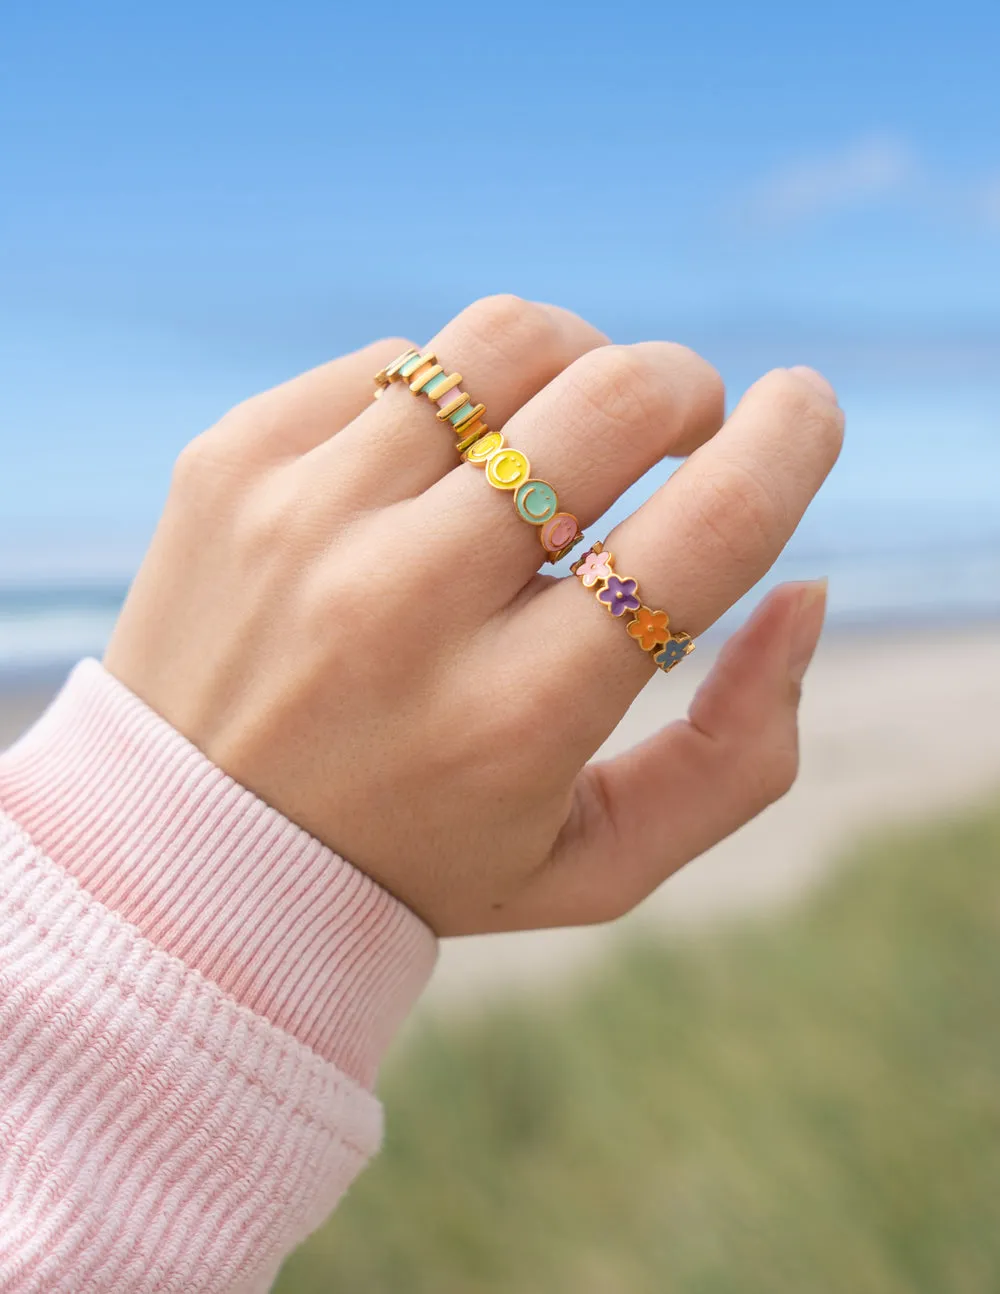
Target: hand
[{"x": 351, "y": 623}]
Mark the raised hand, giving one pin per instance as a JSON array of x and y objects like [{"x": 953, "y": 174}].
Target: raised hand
[{"x": 350, "y": 621}]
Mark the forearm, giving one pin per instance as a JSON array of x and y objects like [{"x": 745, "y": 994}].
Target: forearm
[{"x": 194, "y": 997}]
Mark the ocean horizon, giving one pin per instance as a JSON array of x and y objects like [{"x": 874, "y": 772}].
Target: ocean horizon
[
  {"x": 889, "y": 564},
  {"x": 906, "y": 528}
]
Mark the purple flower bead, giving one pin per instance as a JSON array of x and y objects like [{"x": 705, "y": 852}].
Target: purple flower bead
[{"x": 619, "y": 596}]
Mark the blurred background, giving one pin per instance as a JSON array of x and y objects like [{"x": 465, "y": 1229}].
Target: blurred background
[{"x": 779, "y": 1075}]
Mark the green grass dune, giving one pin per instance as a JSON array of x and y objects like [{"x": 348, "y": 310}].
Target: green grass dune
[{"x": 809, "y": 1103}]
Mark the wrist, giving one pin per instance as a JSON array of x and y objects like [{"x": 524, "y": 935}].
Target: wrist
[{"x": 214, "y": 876}]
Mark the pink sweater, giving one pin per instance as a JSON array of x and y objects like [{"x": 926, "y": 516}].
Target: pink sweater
[{"x": 194, "y": 999}]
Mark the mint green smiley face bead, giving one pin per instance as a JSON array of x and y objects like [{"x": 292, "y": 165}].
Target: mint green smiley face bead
[{"x": 536, "y": 502}]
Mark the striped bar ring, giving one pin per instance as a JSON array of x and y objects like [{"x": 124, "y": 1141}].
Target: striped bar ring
[
  {"x": 619, "y": 594},
  {"x": 425, "y": 376},
  {"x": 535, "y": 501}
]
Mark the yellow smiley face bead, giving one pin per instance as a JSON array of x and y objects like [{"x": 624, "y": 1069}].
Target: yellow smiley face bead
[
  {"x": 507, "y": 469},
  {"x": 486, "y": 445}
]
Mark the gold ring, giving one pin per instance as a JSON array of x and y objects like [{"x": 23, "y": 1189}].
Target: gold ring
[
  {"x": 619, "y": 595},
  {"x": 423, "y": 374},
  {"x": 506, "y": 468}
]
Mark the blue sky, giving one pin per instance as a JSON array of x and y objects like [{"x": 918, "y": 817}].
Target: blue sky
[{"x": 199, "y": 200}]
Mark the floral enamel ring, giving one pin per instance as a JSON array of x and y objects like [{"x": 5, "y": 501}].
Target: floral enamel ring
[{"x": 619, "y": 595}]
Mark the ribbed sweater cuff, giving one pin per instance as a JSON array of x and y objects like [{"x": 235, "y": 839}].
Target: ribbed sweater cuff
[{"x": 214, "y": 876}]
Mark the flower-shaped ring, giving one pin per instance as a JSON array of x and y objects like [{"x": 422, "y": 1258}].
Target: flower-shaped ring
[
  {"x": 593, "y": 568},
  {"x": 620, "y": 595},
  {"x": 674, "y": 650}
]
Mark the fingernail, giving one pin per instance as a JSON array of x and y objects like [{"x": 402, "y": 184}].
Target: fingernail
[
  {"x": 816, "y": 380},
  {"x": 807, "y": 628}
]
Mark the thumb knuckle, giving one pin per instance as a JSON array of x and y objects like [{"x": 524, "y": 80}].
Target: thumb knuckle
[{"x": 770, "y": 771}]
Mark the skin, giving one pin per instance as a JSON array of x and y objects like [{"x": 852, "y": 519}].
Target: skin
[{"x": 352, "y": 624}]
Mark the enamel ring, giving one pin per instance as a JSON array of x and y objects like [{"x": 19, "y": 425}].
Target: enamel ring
[
  {"x": 422, "y": 373},
  {"x": 535, "y": 501},
  {"x": 506, "y": 468},
  {"x": 619, "y": 595}
]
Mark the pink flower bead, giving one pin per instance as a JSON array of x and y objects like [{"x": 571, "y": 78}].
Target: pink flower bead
[{"x": 594, "y": 568}]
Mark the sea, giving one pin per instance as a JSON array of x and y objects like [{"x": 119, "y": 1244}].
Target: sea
[
  {"x": 926, "y": 568},
  {"x": 906, "y": 529}
]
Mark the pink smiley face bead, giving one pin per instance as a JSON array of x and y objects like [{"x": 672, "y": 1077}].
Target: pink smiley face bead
[{"x": 559, "y": 534}]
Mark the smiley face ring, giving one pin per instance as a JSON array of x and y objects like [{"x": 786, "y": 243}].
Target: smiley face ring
[{"x": 506, "y": 468}]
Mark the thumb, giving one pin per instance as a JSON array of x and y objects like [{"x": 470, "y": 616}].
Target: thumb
[{"x": 641, "y": 816}]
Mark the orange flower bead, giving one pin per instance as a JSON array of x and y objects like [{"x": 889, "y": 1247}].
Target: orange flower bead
[{"x": 651, "y": 628}]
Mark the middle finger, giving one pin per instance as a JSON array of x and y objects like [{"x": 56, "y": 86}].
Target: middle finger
[
  {"x": 506, "y": 350},
  {"x": 591, "y": 433}
]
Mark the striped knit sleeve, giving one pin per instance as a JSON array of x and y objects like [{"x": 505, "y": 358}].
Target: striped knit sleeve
[{"x": 194, "y": 998}]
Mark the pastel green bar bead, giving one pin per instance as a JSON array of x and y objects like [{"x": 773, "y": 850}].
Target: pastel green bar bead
[
  {"x": 435, "y": 385},
  {"x": 412, "y": 365},
  {"x": 392, "y": 370},
  {"x": 536, "y": 502},
  {"x": 461, "y": 413}
]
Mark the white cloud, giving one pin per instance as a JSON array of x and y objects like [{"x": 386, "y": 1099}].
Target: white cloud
[{"x": 861, "y": 174}]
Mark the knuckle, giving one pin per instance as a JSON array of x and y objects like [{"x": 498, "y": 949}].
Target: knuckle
[
  {"x": 693, "y": 381},
  {"x": 199, "y": 465},
  {"x": 187, "y": 465},
  {"x": 770, "y": 772},
  {"x": 675, "y": 361},
  {"x": 623, "y": 384},
  {"x": 263, "y": 529},
  {"x": 610, "y": 899},
  {"x": 606, "y": 908},
  {"x": 257, "y": 415},
  {"x": 392, "y": 346},
  {"x": 791, "y": 397},
  {"x": 276, "y": 532},
  {"x": 509, "y": 323}
]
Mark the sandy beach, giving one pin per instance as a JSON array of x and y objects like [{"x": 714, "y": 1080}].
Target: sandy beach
[{"x": 895, "y": 727}]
